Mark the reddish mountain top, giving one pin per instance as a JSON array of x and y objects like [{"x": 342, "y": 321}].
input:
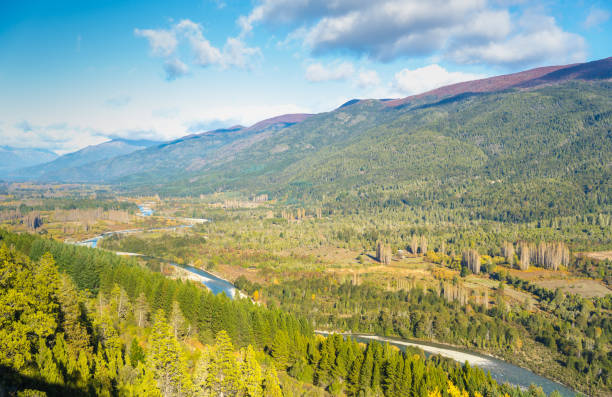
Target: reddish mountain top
[
  {"x": 282, "y": 119},
  {"x": 285, "y": 118},
  {"x": 601, "y": 69}
]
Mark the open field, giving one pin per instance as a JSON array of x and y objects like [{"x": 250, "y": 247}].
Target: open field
[
  {"x": 584, "y": 287},
  {"x": 564, "y": 280},
  {"x": 599, "y": 255}
]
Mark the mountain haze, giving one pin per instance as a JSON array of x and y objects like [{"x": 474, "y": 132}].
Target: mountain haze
[
  {"x": 89, "y": 154},
  {"x": 535, "y": 133},
  {"x": 12, "y": 158},
  {"x": 187, "y": 154}
]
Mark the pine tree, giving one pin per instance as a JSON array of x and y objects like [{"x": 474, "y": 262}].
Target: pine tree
[
  {"x": 28, "y": 306},
  {"x": 353, "y": 377},
  {"x": 72, "y": 314},
  {"x": 119, "y": 302},
  {"x": 271, "y": 385},
  {"x": 376, "y": 368},
  {"x": 365, "y": 376},
  {"x": 141, "y": 310},
  {"x": 323, "y": 372},
  {"x": 223, "y": 372},
  {"x": 165, "y": 357},
  {"x": 251, "y": 374},
  {"x": 145, "y": 385},
  {"x": 137, "y": 354},
  {"x": 47, "y": 367},
  {"x": 202, "y": 372},
  {"x": 280, "y": 349},
  {"x": 178, "y": 322}
]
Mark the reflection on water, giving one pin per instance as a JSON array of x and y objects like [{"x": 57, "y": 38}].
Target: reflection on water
[{"x": 214, "y": 283}]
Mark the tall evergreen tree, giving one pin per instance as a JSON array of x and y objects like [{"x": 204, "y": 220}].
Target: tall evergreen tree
[{"x": 165, "y": 357}]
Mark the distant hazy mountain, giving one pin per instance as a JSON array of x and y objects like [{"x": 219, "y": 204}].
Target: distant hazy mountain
[
  {"x": 12, "y": 158},
  {"x": 187, "y": 154},
  {"x": 105, "y": 150}
]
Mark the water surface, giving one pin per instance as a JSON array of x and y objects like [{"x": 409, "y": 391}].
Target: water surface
[{"x": 501, "y": 371}]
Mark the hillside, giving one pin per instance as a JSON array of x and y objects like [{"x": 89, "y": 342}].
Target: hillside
[
  {"x": 105, "y": 150},
  {"x": 509, "y": 153},
  {"x": 190, "y": 153}
]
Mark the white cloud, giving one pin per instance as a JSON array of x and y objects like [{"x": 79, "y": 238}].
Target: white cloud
[
  {"x": 135, "y": 121},
  {"x": 317, "y": 72},
  {"x": 163, "y": 42},
  {"x": 59, "y": 137},
  {"x": 465, "y": 31},
  {"x": 596, "y": 17},
  {"x": 539, "y": 39},
  {"x": 24, "y": 126},
  {"x": 368, "y": 78},
  {"x": 486, "y": 25},
  {"x": 204, "y": 53},
  {"x": 427, "y": 78},
  {"x": 236, "y": 53},
  {"x": 244, "y": 115}
]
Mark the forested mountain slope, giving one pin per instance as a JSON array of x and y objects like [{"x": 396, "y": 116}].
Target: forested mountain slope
[
  {"x": 543, "y": 150},
  {"x": 105, "y": 150}
]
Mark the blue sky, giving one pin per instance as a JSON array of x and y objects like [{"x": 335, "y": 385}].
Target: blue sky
[{"x": 75, "y": 73}]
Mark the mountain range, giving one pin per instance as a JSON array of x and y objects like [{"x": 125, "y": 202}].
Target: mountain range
[
  {"x": 113, "y": 148},
  {"x": 13, "y": 158},
  {"x": 547, "y": 125}
]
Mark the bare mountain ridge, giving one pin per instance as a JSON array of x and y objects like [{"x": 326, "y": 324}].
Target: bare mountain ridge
[{"x": 595, "y": 70}]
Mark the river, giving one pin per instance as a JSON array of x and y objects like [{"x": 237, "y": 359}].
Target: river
[
  {"x": 501, "y": 371},
  {"x": 214, "y": 283}
]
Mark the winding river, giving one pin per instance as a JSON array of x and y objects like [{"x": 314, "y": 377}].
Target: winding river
[
  {"x": 214, "y": 283},
  {"x": 500, "y": 370}
]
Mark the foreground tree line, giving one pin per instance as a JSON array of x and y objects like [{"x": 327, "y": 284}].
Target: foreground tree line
[{"x": 143, "y": 334}]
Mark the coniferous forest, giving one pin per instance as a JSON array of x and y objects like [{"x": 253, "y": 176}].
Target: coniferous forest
[{"x": 130, "y": 333}]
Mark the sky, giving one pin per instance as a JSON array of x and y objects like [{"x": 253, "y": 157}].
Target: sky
[{"x": 78, "y": 73}]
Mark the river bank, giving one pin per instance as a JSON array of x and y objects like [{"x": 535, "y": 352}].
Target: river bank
[{"x": 501, "y": 371}]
